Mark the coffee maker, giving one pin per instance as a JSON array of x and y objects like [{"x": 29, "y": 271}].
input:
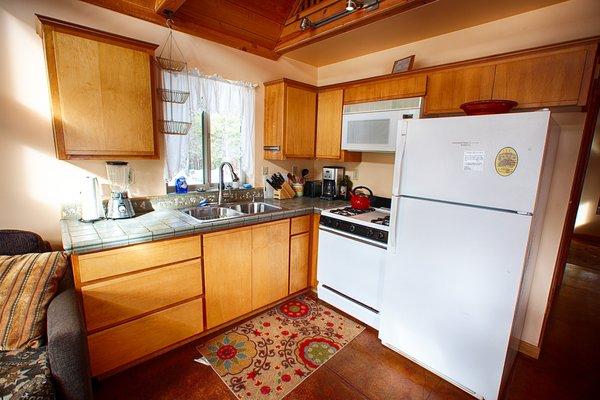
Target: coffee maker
[{"x": 332, "y": 179}]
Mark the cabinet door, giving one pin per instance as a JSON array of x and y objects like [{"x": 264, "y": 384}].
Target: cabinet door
[
  {"x": 552, "y": 79},
  {"x": 393, "y": 88},
  {"x": 270, "y": 262},
  {"x": 227, "y": 275},
  {"x": 447, "y": 90},
  {"x": 273, "y": 135},
  {"x": 329, "y": 128},
  {"x": 299, "y": 259},
  {"x": 329, "y": 124},
  {"x": 102, "y": 99},
  {"x": 300, "y": 121}
]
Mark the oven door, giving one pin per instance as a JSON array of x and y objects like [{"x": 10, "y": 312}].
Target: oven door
[{"x": 350, "y": 266}]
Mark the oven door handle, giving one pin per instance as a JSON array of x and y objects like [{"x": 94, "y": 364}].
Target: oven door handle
[{"x": 338, "y": 233}]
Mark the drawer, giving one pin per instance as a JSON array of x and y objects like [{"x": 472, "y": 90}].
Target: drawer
[
  {"x": 109, "y": 263},
  {"x": 122, "y": 344},
  {"x": 119, "y": 299},
  {"x": 300, "y": 225}
]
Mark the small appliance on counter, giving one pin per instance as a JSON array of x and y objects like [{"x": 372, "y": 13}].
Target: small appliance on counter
[
  {"x": 91, "y": 200},
  {"x": 312, "y": 188},
  {"x": 119, "y": 176},
  {"x": 332, "y": 179}
]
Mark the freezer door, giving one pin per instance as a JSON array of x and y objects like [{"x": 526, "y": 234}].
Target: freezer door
[
  {"x": 450, "y": 290},
  {"x": 492, "y": 160}
]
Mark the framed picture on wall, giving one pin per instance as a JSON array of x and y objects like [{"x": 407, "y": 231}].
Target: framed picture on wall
[{"x": 403, "y": 65}]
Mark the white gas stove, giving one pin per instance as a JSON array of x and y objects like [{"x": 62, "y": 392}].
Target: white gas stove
[
  {"x": 352, "y": 247},
  {"x": 371, "y": 224}
]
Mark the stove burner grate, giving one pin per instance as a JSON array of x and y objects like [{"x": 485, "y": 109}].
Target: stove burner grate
[
  {"x": 350, "y": 212},
  {"x": 385, "y": 221}
]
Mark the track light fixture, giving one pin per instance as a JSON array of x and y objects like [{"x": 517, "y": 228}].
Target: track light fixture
[
  {"x": 351, "y": 6},
  {"x": 305, "y": 23}
]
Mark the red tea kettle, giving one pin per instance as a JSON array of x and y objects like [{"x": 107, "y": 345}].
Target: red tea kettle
[{"x": 359, "y": 200}]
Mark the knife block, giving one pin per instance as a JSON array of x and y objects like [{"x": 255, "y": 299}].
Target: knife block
[{"x": 286, "y": 192}]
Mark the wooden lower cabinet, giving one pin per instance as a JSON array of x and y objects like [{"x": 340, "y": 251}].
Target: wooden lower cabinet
[
  {"x": 299, "y": 261},
  {"x": 227, "y": 275},
  {"x": 140, "y": 299},
  {"x": 116, "y": 300},
  {"x": 270, "y": 255},
  {"x": 122, "y": 344}
]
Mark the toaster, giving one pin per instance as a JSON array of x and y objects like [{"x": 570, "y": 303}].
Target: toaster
[{"x": 312, "y": 189}]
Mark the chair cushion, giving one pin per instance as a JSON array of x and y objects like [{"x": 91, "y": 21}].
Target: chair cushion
[
  {"x": 27, "y": 284},
  {"x": 14, "y": 242},
  {"x": 25, "y": 374}
]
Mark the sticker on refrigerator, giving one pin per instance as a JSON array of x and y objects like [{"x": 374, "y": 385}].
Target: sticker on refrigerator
[
  {"x": 473, "y": 160},
  {"x": 507, "y": 160}
]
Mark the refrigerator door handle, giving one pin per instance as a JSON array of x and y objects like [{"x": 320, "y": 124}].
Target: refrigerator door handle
[{"x": 400, "y": 150}]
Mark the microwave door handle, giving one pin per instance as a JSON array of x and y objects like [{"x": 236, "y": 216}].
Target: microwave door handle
[{"x": 399, "y": 159}]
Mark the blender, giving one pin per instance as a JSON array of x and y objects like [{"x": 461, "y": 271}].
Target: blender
[{"x": 119, "y": 176}]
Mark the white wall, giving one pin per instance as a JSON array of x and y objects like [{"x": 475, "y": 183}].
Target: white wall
[{"x": 33, "y": 182}]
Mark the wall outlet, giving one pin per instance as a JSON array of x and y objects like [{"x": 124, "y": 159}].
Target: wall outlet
[
  {"x": 265, "y": 170},
  {"x": 355, "y": 174}
]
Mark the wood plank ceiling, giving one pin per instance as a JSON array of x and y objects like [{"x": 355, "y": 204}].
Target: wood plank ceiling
[{"x": 268, "y": 28}]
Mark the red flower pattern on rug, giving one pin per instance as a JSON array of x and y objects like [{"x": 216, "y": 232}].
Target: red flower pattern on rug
[{"x": 269, "y": 355}]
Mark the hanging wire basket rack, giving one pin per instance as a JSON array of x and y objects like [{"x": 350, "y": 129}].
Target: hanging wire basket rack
[
  {"x": 171, "y": 65},
  {"x": 174, "y": 92},
  {"x": 173, "y": 96},
  {"x": 170, "y": 127}
]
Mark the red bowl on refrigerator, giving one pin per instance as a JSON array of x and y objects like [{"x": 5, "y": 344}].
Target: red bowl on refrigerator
[{"x": 483, "y": 107}]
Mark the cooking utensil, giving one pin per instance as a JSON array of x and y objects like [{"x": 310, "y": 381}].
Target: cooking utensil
[
  {"x": 359, "y": 200},
  {"x": 483, "y": 107}
]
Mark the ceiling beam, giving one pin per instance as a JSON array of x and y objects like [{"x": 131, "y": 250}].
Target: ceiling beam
[
  {"x": 160, "y": 6},
  {"x": 191, "y": 28},
  {"x": 292, "y": 37}
]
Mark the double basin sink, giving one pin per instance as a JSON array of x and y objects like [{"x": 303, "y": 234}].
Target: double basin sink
[{"x": 212, "y": 212}]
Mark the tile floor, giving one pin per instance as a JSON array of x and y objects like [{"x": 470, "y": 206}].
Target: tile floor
[{"x": 568, "y": 368}]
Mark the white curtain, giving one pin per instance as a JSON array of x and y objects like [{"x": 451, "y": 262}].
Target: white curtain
[{"x": 217, "y": 96}]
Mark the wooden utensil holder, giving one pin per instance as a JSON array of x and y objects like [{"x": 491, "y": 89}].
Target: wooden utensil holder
[{"x": 286, "y": 192}]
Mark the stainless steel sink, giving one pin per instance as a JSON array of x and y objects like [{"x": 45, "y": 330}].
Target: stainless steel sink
[
  {"x": 210, "y": 213},
  {"x": 254, "y": 208}
]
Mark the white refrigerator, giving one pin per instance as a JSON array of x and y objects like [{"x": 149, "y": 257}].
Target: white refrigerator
[{"x": 469, "y": 196}]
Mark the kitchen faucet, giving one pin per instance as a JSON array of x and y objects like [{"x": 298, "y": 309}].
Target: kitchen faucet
[{"x": 222, "y": 184}]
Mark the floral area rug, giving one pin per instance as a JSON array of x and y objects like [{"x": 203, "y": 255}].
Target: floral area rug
[{"x": 269, "y": 355}]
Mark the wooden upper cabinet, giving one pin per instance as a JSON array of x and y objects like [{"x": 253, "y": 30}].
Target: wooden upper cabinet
[
  {"x": 447, "y": 90},
  {"x": 101, "y": 88},
  {"x": 555, "y": 78},
  {"x": 270, "y": 262},
  {"x": 329, "y": 127},
  {"x": 386, "y": 89},
  {"x": 227, "y": 275},
  {"x": 290, "y": 120},
  {"x": 273, "y": 129},
  {"x": 300, "y": 122}
]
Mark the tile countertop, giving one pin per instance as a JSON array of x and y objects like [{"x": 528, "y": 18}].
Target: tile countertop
[{"x": 84, "y": 237}]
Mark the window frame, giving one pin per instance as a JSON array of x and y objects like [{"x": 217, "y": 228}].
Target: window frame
[{"x": 207, "y": 185}]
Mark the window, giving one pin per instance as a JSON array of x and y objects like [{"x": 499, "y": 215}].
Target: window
[
  {"x": 222, "y": 117},
  {"x": 213, "y": 139}
]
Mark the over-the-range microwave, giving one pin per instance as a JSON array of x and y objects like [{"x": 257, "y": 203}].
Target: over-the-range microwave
[{"x": 373, "y": 126}]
